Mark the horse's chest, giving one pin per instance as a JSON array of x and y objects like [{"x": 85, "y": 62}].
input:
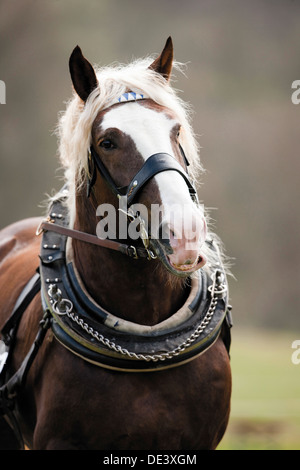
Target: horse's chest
[{"x": 165, "y": 410}]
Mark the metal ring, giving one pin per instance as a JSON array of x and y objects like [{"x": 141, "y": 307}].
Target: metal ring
[
  {"x": 67, "y": 304},
  {"x": 151, "y": 255}
]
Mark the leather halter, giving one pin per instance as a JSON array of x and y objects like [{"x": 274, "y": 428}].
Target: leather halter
[{"x": 155, "y": 164}]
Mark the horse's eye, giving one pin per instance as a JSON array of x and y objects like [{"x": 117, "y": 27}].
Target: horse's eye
[{"x": 107, "y": 144}]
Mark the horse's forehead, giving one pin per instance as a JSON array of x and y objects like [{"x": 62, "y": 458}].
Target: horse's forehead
[{"x": 149, "y": 128}]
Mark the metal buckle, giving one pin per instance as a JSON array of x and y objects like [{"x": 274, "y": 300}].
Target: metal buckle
[
  {"x": 133, "y": 254},
  {"x": 39, "y": 229},
  {"x": 144, "y": 233},
  {"x": 218, "y": 288},
  {"x": 151, "y": 255},
  {"x": 128, "y": 213}
]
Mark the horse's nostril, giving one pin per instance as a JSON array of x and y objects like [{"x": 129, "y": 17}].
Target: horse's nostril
[{"x": 172, "y": 234}]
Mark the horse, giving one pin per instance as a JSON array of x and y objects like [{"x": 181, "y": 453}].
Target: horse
[{"x": 114, "y": 315}]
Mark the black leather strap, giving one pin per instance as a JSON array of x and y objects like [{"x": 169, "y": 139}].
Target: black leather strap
[
  {"x": 98, "y": 164},
  {"x": 155, "y": 164},
  {"x": 28, "y": 293}
]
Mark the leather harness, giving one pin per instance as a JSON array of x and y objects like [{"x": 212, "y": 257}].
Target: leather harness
[
  {"x": 85, "y": 328},
  {"x": 72, "y": 315},
  {"x": 88, "y": 330}
]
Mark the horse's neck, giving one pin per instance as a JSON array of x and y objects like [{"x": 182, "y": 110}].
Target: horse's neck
[{"x": 141, "y": 291}]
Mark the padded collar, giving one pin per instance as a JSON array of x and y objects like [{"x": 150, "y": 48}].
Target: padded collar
[{"x": 97, "y": 336}]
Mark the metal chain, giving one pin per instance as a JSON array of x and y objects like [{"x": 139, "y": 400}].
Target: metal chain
[{"x": 65, "y": 307}]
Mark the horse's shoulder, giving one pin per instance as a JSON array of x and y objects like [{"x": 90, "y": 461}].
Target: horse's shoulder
[
  {"x": 18, "y": 236},
  {"x": 19, "y": 259}
]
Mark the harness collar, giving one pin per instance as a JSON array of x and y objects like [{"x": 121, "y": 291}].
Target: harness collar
[{"x": 94, "y": 334}]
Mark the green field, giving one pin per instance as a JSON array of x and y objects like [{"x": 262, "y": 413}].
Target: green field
[{"x": 266, "y": 392}]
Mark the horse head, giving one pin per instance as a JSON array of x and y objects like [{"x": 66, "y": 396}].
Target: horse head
[{"x": 136, "y": 153}]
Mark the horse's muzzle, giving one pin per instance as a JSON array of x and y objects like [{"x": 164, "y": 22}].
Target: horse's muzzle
[{"x": 179, "y": 245}]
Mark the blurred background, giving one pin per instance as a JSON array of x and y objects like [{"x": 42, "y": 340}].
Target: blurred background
[{"x": 242, "y": 58}]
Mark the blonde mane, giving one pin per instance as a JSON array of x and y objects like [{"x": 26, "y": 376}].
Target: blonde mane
[{"x": 75, "y": 123}]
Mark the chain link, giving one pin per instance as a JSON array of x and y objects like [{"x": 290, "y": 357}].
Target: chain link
[{"x": 217, "y": 289}]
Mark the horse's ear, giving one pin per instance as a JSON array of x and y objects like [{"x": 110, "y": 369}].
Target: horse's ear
[
  {"x": 82, "y": 73},
  {"x": 163, "y": 64}
]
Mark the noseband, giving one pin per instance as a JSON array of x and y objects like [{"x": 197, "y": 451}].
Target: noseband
[{"x": 155, "y": 164}]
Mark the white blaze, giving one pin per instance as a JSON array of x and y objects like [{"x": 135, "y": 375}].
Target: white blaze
[{"x": 151, "y": 132}]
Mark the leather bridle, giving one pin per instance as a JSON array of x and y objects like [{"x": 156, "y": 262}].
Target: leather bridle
[{"x": 155, "y": 164}]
